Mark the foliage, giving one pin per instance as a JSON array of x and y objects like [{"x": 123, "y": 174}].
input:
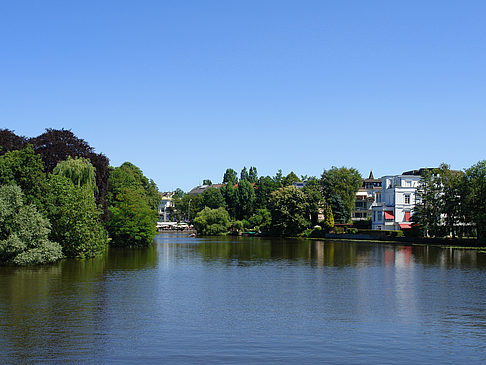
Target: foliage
[
  {"x": 244, "y": 174},
  {"x": 264, "y": 188},
  {"x": 207, "y": 182},
  {"x": 253, "y": 175},
  {"x": 24, "y": 231},
  {"x": 129, "y": 176},
  {"x": 179, "y": 193},
  {"x": 245, "y": 199},
  {"x": 57, "y": 145},
  {"x": 212, "y": 221},
  {"x": 79, "y": 170},
  {"x": 290, "y": 178},
  {"x": 212, "y": 198},
  {"x": 132, "y": 221},
  {"x": 9, "y": 141},
  {"x": 328, "y": 222},
  {"x": 133, "y": 204},
  {"x": 475, "y": 197},
  {"x": 289, "y": 207},
  {"x": 231, "y": 199},
  {"x": 187, "y": 207},
  {"x": 230, "y": 177},
  {"x": 312, "y": 191},
  {"x": 75, "y": 218},
  {"x": 343, "y": 182},
  {"x": 261, "y": 220},
  {"x": 24, "y": 168},
  {"x": 340, "y": 212}
]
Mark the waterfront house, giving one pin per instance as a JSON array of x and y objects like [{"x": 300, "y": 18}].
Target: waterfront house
[
  {"x": 366, "y": 196},
  {"x": 394, "y": 207}
]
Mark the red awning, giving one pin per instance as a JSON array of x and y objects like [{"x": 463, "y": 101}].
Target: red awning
[
  {"x": 405, "y": 225},
  {"x": 407, "y": 216},
  {"x": 389, "y": 215}
]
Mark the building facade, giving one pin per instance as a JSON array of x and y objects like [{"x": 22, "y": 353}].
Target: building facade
[
  {"x": 394, "y": 206},
  {"x": 366, "y": 197}
]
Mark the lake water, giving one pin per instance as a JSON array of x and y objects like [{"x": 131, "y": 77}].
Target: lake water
[{"x": 249, "y": 300}]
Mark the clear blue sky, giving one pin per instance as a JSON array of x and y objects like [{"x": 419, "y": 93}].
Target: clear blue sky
[{"x": 186, "y": 89}]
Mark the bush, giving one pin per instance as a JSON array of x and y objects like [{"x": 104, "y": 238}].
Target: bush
[
  {"x": 24, "y": 231},
  {"x": 212, "y": 222}
]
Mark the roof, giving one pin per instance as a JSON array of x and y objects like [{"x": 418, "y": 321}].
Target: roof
[{"x": 201, "y": 188}]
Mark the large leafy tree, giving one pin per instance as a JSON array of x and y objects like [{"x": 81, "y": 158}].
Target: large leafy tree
[
  {"x": 343, "y": 182},
  {"x": 212, "y": 221},
  {"x": 312, "y": 191},
  {"x": 9, "y": 141},
  {"x": 24, "y": 231},
  {"x": 130, "y": 176},
  {"x": 245, "y": 197},
  {"x": 79, "y": 170},
  {"x": 253, "y": 175},
  {"x": 475, "y": 197},
  {"x": 244, "y": 174},
  {"x": 75, "y": 218},
  {"x": 187, "y": 207},
  {"x": 212, "y": 198},
  {"x": 133, "y": 204},
  {"x": 290, "y": 178},
  {"x": 230, "y": 177},
  {"x": 24, "y": 168},
  {"x": 289, "y": 209},
  {"x": 263, "y": 190},
  {"x": 231, "y": 199},
  {"x": 132, "y": 221},
  {"x": 430, "y": 208},
  {"x": 57, "y": 145}
]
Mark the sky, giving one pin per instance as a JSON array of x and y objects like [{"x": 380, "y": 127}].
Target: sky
[{"x": 187, "y": 89}]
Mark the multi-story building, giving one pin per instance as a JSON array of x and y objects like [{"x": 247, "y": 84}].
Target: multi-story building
[
  {"x": 393, "y": 209},
  {"x": 366, "y": 196}
]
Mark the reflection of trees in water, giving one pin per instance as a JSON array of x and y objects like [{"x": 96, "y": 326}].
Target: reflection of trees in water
[
  {"x": 248, "y": 251},
  {"x": 51, "y": 307}
]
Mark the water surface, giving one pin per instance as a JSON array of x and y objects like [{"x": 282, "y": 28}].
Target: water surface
[{"x": 249, "y": 300}]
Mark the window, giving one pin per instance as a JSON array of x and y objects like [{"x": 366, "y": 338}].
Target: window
[
  {"x": 407, "y": 199},
  {"x": 379, "y": 216},
  {"x": 378, "y": 197}
]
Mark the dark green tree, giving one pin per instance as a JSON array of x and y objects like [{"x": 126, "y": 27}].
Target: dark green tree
[
  {"x": 312, "y": 191},
  {"x": 207, "y": 182},
  {"x": 475, "y": 197},
  {"x": 244, "y": 174},
  {"x": 231, "y": 199},
  {"x": 343, "y": 182},
  {"x": 289, "y": 209},
  {"x": 290, "y": 178},
  {"x": 245, "y": 197},
  {"x": 230, "y": 177},
  {"x": 253, "y": 175},
  {"x": 212, "y": 198},
  {"x": 263, "y": 191}
]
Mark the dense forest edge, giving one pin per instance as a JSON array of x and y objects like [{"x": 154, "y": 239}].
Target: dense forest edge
[{"x": 58, "y": 198}]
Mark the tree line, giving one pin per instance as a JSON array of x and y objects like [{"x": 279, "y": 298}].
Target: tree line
[
  {"x": 58, "y": 198},
  {"x": 271, "y": 204},
  {"x": 453, "y": 203}
]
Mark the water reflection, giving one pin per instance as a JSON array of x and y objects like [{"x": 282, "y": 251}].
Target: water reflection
[
  {"x": 247, "y": 300},
  {"x": 255, "y": 251}
]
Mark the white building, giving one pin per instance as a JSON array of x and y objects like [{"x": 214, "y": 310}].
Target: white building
[
  {"x": 393, "y": 209},
  {"x": 165, "y": 207}
]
